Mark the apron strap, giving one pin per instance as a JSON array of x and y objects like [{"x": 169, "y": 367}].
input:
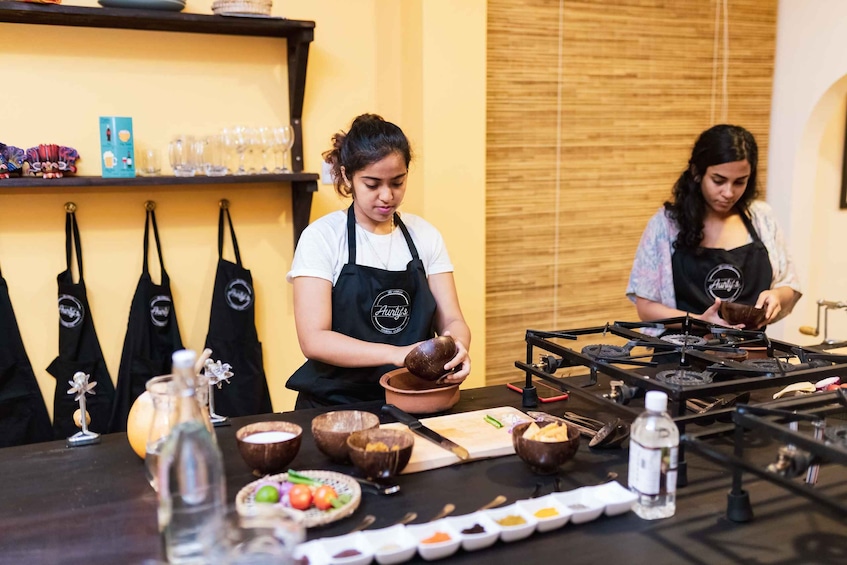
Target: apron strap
[
  {"x": 402, "y": 226},
  {"x": 151, "y": 217},
  {"x": 748, "y": 223},
  {"x": 351, "y": 236},
  {"x": 231, "y": 233},
  {"x": 72, "y": 234}
]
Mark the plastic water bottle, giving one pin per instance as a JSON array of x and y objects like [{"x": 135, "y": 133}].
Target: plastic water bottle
[
  {"x": 192, "y": 491},
  {"x": 653, "y": 459}
]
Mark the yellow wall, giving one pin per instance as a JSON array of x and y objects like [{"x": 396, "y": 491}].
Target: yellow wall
[{"x": 421, "y": 64}]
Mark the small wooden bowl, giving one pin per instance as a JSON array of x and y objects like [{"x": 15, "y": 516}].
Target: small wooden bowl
[
  {"x": 380, "y": 464},
  {"x": 416, "y": 396},
  {"x": 270, "y": 457},
  {"x": 332, "y": 429},
  {"x": 427, "y": 360},
  {"x": 544, "y": 457},
  {"x": 753, "y": 318}
]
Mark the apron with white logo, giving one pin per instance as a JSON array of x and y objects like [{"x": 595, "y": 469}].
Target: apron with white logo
[
  {"x": 733, "y": 275},
  {"x": 23, "y": 414},
  {"x": 369, "y": 304},
  {"x": 232, "y": 335},
  {"x": 79, "y": 349},
  {"x": 152, "y": 334}
]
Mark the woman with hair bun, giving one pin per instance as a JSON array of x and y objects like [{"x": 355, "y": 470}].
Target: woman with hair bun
[
  {"x": 370, "y": 284},
  {"x": 714, "y": 241}
]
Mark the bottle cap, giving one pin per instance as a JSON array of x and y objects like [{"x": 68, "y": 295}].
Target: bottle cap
[
  {"x": 184, "y": 359},
  {"x": 656, "y": 401}
]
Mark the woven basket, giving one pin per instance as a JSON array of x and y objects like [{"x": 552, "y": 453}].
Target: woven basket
[
  {"x": 343, "y": 484},
  {"x": 249, "y": 7}
]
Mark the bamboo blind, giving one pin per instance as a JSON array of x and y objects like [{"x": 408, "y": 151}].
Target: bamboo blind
[{"x": 585, "y": 137}]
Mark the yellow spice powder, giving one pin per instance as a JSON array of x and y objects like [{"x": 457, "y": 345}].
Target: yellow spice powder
[{"x": 548, "y": 512}]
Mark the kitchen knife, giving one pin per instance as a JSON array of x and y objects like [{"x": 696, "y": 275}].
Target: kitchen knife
[{"x": 416, "y": 426}]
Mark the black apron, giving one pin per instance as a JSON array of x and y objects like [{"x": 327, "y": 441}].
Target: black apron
[
  {"x": 79, "y": 349},
  {"x": 733, "y": 275},
  {"x": 152, "y": 334},
  {"x": 232, "y": 335},
  {"x": 23, "y": 414},
  {"x": 369, "y": 304}
]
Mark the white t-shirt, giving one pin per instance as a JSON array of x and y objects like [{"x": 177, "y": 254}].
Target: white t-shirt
[{"x": 322, "y": 249}]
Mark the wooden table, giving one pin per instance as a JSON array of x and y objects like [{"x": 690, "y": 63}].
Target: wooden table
[{"x": 93, "y": 505}]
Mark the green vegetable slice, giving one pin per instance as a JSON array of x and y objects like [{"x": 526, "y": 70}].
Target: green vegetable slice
[{"x": 493, "y": 421}]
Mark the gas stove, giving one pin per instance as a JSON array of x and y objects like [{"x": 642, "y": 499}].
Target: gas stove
[{"x": 718, "y": 380}]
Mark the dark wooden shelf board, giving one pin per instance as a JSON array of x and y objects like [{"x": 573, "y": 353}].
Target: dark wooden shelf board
[
  {"x": 153, "y": 20},
  {"x": 73, "y": 181}
]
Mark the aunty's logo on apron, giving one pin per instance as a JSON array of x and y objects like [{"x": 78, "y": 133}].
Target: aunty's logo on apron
[
  {"x": 239, "y": 294},
  {"x": 160, "y": 309},
  {"x": 390, "y": 311},
  {"x": 725, "y": 282},
  {"x": 71, "y": 312}
]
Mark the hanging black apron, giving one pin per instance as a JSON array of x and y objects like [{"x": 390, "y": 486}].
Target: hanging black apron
[
  {"x": 79, "y": 349},
  {"x": 733, "y": 275},
  {"x": 232, "y": 335},
  {"x": 152, "y": 334},
  {"x": 369, "y": 304},
  {"x": 23, "y": 414}
]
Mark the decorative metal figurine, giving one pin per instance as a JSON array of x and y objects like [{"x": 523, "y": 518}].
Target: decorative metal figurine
[
  {"x": 217, "y": 372},
  {"x": 80, "y": 386}
]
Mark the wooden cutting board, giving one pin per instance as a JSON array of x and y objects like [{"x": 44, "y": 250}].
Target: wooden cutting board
[{"x": 468, "y": 429}]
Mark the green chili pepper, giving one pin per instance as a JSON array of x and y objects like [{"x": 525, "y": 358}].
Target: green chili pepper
[{"x": 493, "y": 421}]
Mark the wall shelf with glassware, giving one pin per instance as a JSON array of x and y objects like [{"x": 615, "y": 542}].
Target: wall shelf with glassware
[{"x": 297, "y": 33}]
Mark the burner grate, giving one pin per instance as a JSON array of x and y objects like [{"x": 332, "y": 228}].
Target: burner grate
[
  {"x": 605, "y": 351},
  {"x": 684, "y": 339},
  {"x": 683, "y": 377},
  {"x": 769, "y": 365}
]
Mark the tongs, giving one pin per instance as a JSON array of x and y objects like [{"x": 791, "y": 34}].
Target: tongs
[{"x": 602, "y": 435}]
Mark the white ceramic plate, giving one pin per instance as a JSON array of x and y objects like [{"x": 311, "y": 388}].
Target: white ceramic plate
[
  {"x": 518, "y": 531},
  {"x": 583, "y": 504},
  {"x": 170, "y": 5},
  {"x": 355, "y": 542},
  {"x": 559, "y": 515},
  {"x": 391, "y": 545},
  {"x": 439, "y": 550},
  {"x": 616, "y": 498},
  {"x": 473, "y": 542}
]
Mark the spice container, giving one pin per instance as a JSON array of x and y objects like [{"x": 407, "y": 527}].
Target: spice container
[
  {"x": 549, "y": 513},
  {"x": 582, "y": 503},
  {"x": 349, "y": 549},
  {"x": 615, "y": 496},
  {"x": 477, "y": 529},
  {"x": 515, "y": 523},
  {"x": 435, "y": 540},
  {"x": 391, "y": 545}
]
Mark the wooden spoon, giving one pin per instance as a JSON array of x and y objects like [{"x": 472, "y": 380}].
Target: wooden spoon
[
  {"x": 447, "y": 510},
  {"x": 498, "y": 500},
  {"x": 409, "y": 517},
  {"x": 367, "y": 521}
]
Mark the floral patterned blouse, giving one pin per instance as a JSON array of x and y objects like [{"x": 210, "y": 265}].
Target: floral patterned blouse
[{"x": 652, "y": 275}]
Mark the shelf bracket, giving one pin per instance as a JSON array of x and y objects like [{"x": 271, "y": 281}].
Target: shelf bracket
[
  {"x": 301, "y": 205},
  {"x": 298, "y": 58}
]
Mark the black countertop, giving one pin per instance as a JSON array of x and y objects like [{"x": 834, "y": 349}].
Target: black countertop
[{"x": 93, "y": 504}]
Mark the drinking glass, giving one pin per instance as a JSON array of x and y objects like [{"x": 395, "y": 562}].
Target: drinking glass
[
  {"x": 150, "y": 164},
  {"x": 265, "y": 137},
  {"x": 283, "y": 141},
  {"x": 237, "y": 137},
  {"x": 215, "y": 155},
  {"x": 181, "y": 152}
]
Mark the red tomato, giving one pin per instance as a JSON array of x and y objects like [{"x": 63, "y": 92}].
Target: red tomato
[
  {"x": 300, "y": 497},
  {"x": 324, "y": 497}
]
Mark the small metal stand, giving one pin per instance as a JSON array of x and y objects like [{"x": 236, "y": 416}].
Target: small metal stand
[
  {"x": 217, "y": 372},
  {"x": 80, "y": 386}
]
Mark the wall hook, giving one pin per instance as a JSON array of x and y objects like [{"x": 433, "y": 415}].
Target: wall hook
[
  {"x": 149, "y": 205},
  {"x": 224, "y": 204},
  {"x": 70, "y": 207}
]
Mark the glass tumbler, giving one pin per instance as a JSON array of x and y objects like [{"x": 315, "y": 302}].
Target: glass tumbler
[
  {"x": 216, "y": 155},
  {"x": 181, "y": 152},
  {"x": 162, "y": 390}
]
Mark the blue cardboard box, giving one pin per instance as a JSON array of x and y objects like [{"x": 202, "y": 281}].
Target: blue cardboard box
[{"x": 117, "y": 147}]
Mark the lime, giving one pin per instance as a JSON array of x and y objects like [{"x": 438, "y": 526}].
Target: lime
[{"x": 267, "y": 493}]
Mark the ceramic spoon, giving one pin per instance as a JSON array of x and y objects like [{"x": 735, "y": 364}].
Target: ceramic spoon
[
  {"x": 447, "y": 510},
  {"x": 498, "y": 500}
]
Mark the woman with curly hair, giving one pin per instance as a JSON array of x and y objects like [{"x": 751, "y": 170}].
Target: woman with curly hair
[
  {"x": 370, "y": 283},
  {"x": 714, "y": 241}
]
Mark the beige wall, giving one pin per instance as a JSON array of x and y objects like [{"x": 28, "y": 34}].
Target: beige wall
[
  {"x": 368, "y": 56},
  {"x": 807, "y": 133}
]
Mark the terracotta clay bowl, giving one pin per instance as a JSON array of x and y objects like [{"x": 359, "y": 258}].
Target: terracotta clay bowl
[
  {"x": 380, "y": 453},
  {"x": 734, "y": 314},
  {"x": 332, "y": 429},
  {"x": 416, "y": 396},
  {"x": 427, "y": 360},
  {"x": 544, "y": 457},
  {"x": 271, "y": 448}
]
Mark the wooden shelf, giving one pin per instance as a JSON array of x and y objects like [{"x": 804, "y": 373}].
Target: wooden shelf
[
  {"x": 153, "y": 20},
  {"x": 298, "y": 35},
  {"x": 303, "y": 186}
]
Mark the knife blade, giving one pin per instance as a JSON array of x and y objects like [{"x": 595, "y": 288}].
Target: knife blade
[{"x": 417, "y": 427}]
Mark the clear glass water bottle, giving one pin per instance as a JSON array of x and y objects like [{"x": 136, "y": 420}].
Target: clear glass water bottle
[
  {"x": 653, "y": 459},
  {"x": 192, "y": 492}
]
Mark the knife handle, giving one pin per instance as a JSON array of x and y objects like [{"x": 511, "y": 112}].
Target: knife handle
[{"x": 398, "y": 414}]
